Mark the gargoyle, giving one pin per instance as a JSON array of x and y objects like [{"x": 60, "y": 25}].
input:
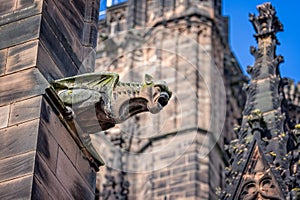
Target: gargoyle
[{"x": 100, "y": 100}]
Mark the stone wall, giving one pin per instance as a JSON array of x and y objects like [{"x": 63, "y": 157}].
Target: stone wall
[{"x": 42, "y": 40}]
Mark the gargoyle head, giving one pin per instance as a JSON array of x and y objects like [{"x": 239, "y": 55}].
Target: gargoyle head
[
  {"x": 157, "y": 94},
  {"x": 132, "y": 98}
]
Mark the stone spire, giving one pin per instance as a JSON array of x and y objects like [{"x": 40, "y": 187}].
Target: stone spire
[
  {"x": 264, "y": 158},
  {"x": 264, "y": 90}
]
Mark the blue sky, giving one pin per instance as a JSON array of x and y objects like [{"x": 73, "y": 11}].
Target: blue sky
[{"x": 241, "y": 32}]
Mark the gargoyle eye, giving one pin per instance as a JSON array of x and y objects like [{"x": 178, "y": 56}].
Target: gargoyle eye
[{"x": 158, "y": 89}]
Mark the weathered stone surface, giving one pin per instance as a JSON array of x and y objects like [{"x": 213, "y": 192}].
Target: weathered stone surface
[
  {"x": 17, "y": 166},
  {"x": 67, "y": 25},
  {"x": 81, "y": 6},
  {"x": 25, "y": 110},
  {"x": 59, "y": 55},
  {"x": 70, "y": 178},
  {"x": 4, "y": 110},
  {"x": 22, "y": 10},
  {"x": 88, "y": 31},
  {"x": 3, "y": 58},
  {"x": 38, "y": 190},
  {"x": 86, "y": 171},
  {"x": 23, "y": 4},
  {"x": 22, "y": 56},
  {"x": 7, "y": 6},
  {"x": 16, "y": 188},
  {"x": 47, "y": 147},
  {"x": 63, "y": 138},
  {"x": 48, "y": 179},
  {"x": 46, "y": 62},
  {"x": 22, "y": 85},
  {"x": 19, "y": 32},
  {"x": 18, "y": 139}
]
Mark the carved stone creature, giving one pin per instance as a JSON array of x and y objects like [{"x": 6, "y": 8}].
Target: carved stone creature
[{"x": 100, "y": 100}]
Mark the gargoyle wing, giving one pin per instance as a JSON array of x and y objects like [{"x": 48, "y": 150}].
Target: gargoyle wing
[{"x": 86, "y": 87}]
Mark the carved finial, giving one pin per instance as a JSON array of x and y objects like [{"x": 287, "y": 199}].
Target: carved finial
[{"x": 266, "y": 23}]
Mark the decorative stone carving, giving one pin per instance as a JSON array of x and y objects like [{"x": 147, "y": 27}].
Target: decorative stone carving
[
  {"x": 267, "y": 21},
  {"x": 98, "y": 101},
  {"x": 108, "y": 99},
  {"x": 265, "y": 159},
  {"x": 258, "y": 181}
]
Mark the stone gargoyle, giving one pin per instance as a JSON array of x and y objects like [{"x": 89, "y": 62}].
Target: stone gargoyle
[{"x": 98, "y": 101}]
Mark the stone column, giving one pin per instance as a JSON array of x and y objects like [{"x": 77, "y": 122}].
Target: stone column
[{"x": 42, "y": 40}]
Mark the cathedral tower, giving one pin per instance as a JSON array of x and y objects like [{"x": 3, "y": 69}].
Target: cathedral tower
[{"x": 178, "y": 153}]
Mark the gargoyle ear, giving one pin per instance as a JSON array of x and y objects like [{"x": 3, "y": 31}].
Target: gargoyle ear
[{"x": 148, "y": 79}]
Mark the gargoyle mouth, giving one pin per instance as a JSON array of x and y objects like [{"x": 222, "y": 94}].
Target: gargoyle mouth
[
  {"x": 159, "y": 102},
  {"x": 163, "y": 99}
]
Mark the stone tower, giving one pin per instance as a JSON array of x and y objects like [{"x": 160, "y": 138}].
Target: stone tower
[{"x": 180, "y": 152}]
